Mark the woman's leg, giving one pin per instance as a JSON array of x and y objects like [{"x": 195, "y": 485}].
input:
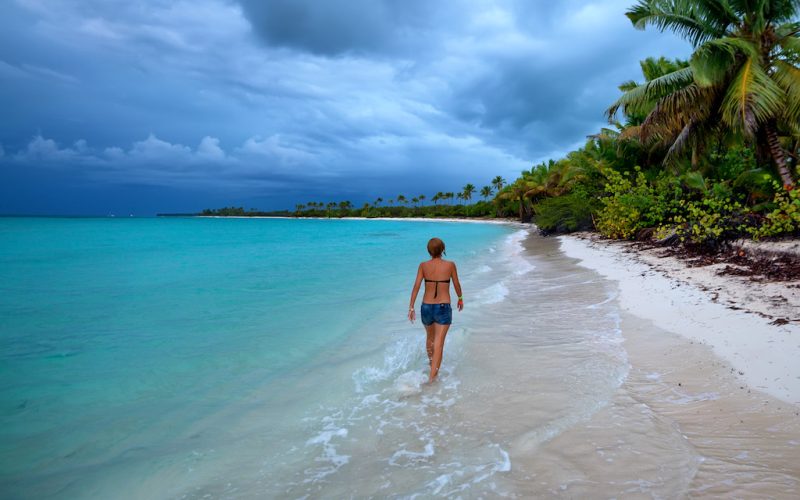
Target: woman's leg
[
  {"x": 429, "y": 342},
  {"x": 439, "y": 334}
]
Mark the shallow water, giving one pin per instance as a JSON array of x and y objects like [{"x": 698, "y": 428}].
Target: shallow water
[{"x": 547, "y": 389}]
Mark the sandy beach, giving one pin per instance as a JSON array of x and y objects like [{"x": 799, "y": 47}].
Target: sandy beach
[
  {"x": 726, "y": 379},
  {"x": 734, "y": 316}
]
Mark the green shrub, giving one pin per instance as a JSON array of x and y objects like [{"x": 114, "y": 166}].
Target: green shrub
[
  {"x": 564, "y": 214},
  {"x": 635, "y": 204},
  {"x": 708, "y": 222},
  {"x": 733, "y": 162},
  {"x": 784, "y": 219}
]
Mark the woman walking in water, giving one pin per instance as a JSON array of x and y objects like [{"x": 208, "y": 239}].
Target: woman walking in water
[{"x": 436, "y": 313}]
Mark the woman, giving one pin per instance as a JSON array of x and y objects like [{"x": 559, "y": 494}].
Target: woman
[{"x": 436, "y": 313}]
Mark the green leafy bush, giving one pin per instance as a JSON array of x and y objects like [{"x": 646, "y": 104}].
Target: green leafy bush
[
  {"x": 707, "y": 222},
  {"x": 733, "y": 162},
  {"x": 784, "y": 219},
  {"x": 567, "y": 213},
  {"x": 635, "y": 204}
]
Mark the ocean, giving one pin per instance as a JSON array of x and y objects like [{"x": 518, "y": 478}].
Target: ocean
[
  {"x": 167, "y": 356},
  {"x": 272, "y": 358}
]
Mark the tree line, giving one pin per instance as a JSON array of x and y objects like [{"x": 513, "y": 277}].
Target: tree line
[{"x": 439, "y": 204}]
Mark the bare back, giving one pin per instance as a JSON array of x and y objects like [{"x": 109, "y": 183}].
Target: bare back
[{"x": 438, "y": 274}]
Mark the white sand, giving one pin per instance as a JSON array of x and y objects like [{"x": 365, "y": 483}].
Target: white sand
[{"x": 766, "y": 356}]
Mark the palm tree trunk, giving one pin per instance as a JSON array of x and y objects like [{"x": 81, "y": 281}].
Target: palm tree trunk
[{"x": 778, "y": 156}]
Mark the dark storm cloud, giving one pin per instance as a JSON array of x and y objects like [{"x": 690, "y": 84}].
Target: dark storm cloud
[
  {"x": 275, "y": 101},
  {"x": 534, "y": 76},
  {"x": 332, "y": 28}
]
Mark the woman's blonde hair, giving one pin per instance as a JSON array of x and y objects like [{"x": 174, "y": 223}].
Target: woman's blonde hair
[{"x": 436, "y": 247}]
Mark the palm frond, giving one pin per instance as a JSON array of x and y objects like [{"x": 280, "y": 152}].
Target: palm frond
[
  {"x": 752, "y": 98},
  {"x": 680, "y": 143},
  {"x": 674, "y": 110},
  {"x": 791, "y": 29},
  {"x": 694, "y": 180},
  {"x": 628, "y": 85},
  {"x": 788, "y": 77},
  {"x": 631, "y": 132},
  {"x": 719, "y": 10},
  {"x": 780, "y": 10},
  {"x": 791, "y": 47},
  {"x": 641, "y": 98},
  {"x": 680, "y": 16},
  {"x": 712, "y": 61}
]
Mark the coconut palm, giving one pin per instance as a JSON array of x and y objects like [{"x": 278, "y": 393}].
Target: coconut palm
[
  {"x": 401, "y": 199},
  {"x": 743, "y": 76},
  {"x": 517, "y": 191},
  {"x": 498, "y": 182},
  {"x": 421, "y": 198},
  {"x": 486, "y": 192},
  {"x": 467, "y": 191}
]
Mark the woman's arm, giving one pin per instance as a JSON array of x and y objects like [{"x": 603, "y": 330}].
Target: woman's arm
[
  {"x": 457, "y": 286},
  {"x": 414, "y": 291}
]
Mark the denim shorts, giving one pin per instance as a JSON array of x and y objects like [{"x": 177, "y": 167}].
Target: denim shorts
[{"x": 436, "y": 313}]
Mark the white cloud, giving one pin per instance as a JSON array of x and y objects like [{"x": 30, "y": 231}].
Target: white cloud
[
  {"x": 152, "y": 151},
  {"x": 209, "y": 149},
  {"x": 41, "y": 149},
  {"x": 154, "y": 148},
  {"x": 275, "y": 148}
]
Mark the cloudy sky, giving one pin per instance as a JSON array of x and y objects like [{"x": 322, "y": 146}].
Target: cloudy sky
[{"x": 161, "y": 106}]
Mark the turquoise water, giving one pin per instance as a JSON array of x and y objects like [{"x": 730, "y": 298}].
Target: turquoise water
[{"x": 117, "y": 335}]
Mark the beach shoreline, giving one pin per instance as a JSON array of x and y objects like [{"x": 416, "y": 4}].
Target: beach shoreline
[
  {"x": 512, "y": 222},
  {"x": 754, "y": 327}
]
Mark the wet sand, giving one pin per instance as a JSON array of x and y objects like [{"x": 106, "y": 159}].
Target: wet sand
[{"x": 740, "y": 441}]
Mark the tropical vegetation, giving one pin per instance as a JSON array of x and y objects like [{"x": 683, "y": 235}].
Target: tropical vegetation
[{"x": 702, "y": 150}]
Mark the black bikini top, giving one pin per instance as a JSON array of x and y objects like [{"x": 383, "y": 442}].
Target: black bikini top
[{"x": 436, "y": 290}]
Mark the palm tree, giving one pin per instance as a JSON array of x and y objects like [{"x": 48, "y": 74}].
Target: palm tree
[
  {"x": 743, "y": 76},
  {"x": 421, "y": 198},
  {"x": 486, "y": 192},
  {"x": 438, "y": 196},
  {"x": 299, "y": 208},
  {"x": 518, "y": 192},
  {"x": 449, "y": 195},
  {"x": 415, "y": 201},
  {"x": 467, "y": 192},
  {"x": 401, "y": 199},
  {"x": 498, "y": 183},
  {"x": 378, "y": 202}
]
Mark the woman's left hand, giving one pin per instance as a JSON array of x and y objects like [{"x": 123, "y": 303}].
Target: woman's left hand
[
  {"x": 412, "y": 315},
  {"x": 460, "y": 304}
]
